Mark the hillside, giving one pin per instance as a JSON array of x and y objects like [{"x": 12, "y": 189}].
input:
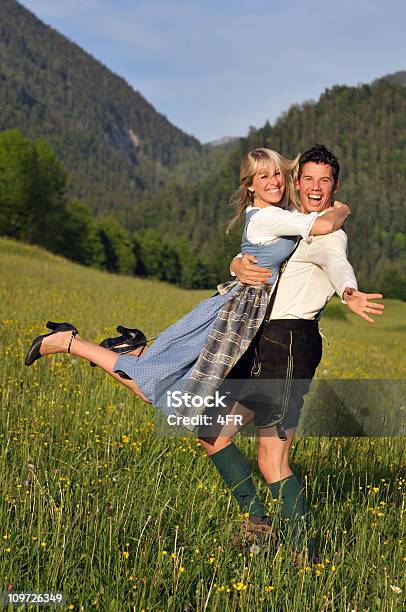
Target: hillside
[
  {"x": 53, "y": 287},
  {"x": 114, "y": 144},
  {"x": 397, "y": 77}
]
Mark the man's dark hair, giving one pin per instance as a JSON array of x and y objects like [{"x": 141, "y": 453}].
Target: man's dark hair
[{"x": 319, "y": 155}]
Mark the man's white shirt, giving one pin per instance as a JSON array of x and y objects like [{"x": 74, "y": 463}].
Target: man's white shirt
[
  {"x": 312, "y": 275},
  {"x": 314, "y": 272}
]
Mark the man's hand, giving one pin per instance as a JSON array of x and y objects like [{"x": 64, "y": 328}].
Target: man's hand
[
  {"x": 359, "y": 303},
  {"x": 248, "y": 272}
]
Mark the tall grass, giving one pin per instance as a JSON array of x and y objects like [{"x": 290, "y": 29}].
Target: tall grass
[{"x": 93, "y": 503}]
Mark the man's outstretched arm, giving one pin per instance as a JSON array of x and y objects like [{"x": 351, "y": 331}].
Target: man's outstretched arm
[{"x": 331, "y": 256}]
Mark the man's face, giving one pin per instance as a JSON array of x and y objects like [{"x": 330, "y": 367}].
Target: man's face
[{"x": 316, "y": 187}]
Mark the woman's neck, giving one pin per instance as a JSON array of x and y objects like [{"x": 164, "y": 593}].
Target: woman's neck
[{"x": 262, "y": 204}]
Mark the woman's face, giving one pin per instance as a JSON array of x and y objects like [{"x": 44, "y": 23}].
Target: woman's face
[{"x": 268, "y": 187}]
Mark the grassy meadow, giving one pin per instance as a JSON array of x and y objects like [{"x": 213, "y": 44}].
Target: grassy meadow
[{"x": 94, "y": 504}]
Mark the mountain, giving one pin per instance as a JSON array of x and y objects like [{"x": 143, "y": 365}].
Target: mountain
[
  {"x": 123, "y": 156},
  {"x": 226, "y": 140},
  {"x": 114, "y": 144},
  {"x": 396, "y": 77},
  {"x": 366, "y": 127}
]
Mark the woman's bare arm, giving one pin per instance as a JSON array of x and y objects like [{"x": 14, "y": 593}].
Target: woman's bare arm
[{"x": 332, "y": 219}]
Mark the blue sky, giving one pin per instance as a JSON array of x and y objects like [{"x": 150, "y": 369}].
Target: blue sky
[{"x": 214, "y": 68}]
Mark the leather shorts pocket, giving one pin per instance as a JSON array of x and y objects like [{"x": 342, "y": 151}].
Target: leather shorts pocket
[
  {"x": 274, "y": 351},
  {"x": 277, "y": 338}
]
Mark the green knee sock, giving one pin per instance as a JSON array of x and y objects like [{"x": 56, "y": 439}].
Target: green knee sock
[
  {"x": 289, "y": 492},
  {"x": 236, "y": 473}
]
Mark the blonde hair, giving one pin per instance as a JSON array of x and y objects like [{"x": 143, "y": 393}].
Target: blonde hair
[{"x": 262, "y": 160}]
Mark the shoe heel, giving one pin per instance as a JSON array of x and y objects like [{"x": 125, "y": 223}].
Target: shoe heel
[
  {"x": 60, "y": 326},
  {"x": 133, "y": 333},
  {"x": 52, "y": 325}
]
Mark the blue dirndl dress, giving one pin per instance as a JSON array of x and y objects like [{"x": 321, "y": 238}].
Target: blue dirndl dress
[{"x": 175, "y": 357}]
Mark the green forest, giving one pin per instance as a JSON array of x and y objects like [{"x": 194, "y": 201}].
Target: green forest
[
  {"x": 366, "y": 127},
  {"x": 35, "y": 208},
  {"x": 90, "y": 170}
]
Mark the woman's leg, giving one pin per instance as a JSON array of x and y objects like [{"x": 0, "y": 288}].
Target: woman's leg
[
  {"x": 138, "y": 351},
  {"x": 232, "y": 465},
  {"x": 221, "y": 437},
  {"x": 104, "y": 358}
]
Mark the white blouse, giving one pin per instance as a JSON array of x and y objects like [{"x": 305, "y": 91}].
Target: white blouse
[{"x": 272, "y": 222}]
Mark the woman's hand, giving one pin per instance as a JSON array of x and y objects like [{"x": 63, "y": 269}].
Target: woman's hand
[
  {"x": 337, "y": 204},
  {"x": 248, "y": 272}
]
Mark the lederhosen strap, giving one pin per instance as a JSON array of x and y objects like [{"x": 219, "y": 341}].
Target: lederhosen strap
[
  {"x": 279, "y": 427},
  {"x": 273, "y": 294}
]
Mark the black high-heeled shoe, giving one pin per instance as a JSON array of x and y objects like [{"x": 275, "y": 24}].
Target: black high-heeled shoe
[
  {"x": 135, "y": 338},
  {"x": 125, "y": 338},
  {"x": 130, "y": 339},
  {"x": 131, "y": 332},
  {"x": 34, "y": 354}
]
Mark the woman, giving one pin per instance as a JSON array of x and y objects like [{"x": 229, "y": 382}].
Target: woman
[{"x": 179, "y": 354}]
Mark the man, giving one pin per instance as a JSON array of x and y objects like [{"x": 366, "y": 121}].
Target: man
[{"x": 287, "y": 349}]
